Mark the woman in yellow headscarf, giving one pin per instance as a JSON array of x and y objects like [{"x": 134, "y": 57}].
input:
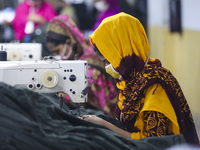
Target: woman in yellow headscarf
[{"x": 150, "y": 102}]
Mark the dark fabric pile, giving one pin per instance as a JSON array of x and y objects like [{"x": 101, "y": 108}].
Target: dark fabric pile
[{"x": 34, "y": 121}]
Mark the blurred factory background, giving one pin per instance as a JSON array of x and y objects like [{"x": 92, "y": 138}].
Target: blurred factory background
[{"x": 177, "y": 45}]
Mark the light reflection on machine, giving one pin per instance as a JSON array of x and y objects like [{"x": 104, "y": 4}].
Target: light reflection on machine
[{"x": 22, "y": 51}]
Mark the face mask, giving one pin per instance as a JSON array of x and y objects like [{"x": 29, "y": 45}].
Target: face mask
[
  {"x": 62, "y": 56},
  {"x": 101, "y": 6},
  {"x": 110, "y": 70}
]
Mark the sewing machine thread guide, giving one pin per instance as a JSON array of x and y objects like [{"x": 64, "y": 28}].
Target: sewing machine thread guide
[
  {"x": 61, "y": 102},
  {"x": 78, "y": 108}
]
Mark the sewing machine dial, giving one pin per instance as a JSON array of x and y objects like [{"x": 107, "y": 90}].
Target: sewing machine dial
[{"x": 49, "y": 78}]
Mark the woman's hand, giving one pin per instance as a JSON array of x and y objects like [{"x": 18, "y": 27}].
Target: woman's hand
[
  {"x": 101, "y": 121},
  {"x": 94, "y": 119},
  {"x": 37, "y": 19}
]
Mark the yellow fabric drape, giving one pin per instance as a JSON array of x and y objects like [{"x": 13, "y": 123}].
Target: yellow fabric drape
[
  {"x": 158, "y": 102},
  {"x": 121, "y": 86},
  {"x": 119, "y": 36}
]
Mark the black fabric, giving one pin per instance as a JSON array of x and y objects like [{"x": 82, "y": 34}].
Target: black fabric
[{"x": 34, "y": 121}]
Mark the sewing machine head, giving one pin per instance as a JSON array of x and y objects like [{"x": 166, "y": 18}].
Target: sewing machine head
[
  {"x": 48, "y": 76},
  {"x": 22, "y": 51}
]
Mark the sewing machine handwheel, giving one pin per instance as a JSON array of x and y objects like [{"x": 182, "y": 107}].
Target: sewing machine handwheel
[
  {"x": 14, "y": 55},
  {"x": 49, "y": 78}
]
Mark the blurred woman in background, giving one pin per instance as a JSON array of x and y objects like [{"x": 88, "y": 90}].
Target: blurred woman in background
[
  {"x": 30, "y": 15},
  {"x": 67, "y": 42},
  {"x": 106, "y": 8}
]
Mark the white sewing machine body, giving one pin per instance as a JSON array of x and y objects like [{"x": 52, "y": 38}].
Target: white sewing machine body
[
  {"x": 23, "y": 51},
  {"x": 48, "y": 76}
]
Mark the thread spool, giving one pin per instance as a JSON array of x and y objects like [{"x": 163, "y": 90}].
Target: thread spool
[
  {"x": 3, "y": 54},
  {"x": 14, "y": 55}
]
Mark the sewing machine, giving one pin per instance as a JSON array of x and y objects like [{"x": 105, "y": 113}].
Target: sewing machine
[
  {"x": 22, "y": 51},
  {"x": 48, "y": 76}
]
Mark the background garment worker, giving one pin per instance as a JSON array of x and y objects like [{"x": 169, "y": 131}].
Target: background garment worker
[
  {"x": 67, "y": 42},
  {"x": 30, "y": 15},
  {"x": 105, "y": 8},
  {"x": 151, "y": 102}
]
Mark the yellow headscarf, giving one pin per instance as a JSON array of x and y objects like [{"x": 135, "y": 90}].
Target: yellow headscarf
[{"x": 121, "y": 36}]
